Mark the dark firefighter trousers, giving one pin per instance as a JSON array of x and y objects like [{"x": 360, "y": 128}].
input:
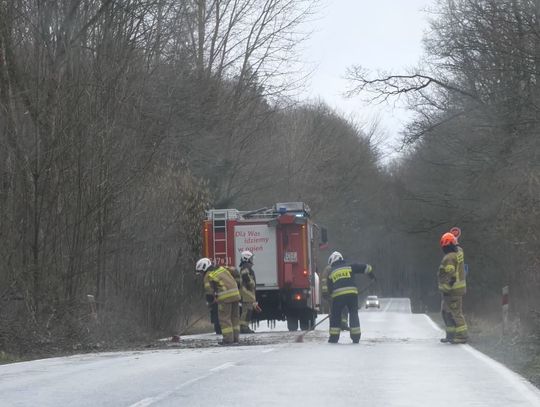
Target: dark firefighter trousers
[
  {"x": 349, "y": 302},
  {"x": 452, "y": 313},
  {"x": 214, "y": 319}
]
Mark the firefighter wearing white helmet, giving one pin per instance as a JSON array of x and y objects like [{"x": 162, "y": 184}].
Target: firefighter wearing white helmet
[
  {"x": 324, "y": 289},
  {"x": 334, "y": 257},
  {"x": 341, "y": 287},
  {"x": 221, "y": 286},
  {"x": 247, "y": 291}
]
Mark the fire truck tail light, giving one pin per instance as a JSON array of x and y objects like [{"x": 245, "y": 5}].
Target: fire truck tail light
[
  {"x": 305, "y": 272},
  {"x": 297, "y": 297}
]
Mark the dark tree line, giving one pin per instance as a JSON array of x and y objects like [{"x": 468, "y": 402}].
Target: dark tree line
[
  {"x": 472, "y": 152},
  {"x": 121, "y": 121}
]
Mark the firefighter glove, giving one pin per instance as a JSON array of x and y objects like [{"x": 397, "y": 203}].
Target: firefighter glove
[{"x": 256, "y": 307}]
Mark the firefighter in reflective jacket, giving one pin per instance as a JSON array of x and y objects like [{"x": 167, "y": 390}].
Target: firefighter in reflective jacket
[
  {"x": 344, "y": 293},
  {"x": 326, "y": 296},
  {"x": 220, "y": 284},
  {"x": 452, "y": 285},
  {"x": 247, "y": 291}
]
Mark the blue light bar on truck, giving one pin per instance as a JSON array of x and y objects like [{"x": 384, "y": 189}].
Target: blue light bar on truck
[{"x": 299, "y": 208}]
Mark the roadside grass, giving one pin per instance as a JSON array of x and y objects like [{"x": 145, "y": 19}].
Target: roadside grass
[{"x": 6, "y": 358}]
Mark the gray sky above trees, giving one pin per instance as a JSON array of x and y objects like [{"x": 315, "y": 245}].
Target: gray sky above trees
[{"x": 381, "y": 34}]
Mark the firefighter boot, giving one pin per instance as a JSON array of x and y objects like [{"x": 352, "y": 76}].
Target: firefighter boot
[
  {"x": 450, "y": 333},
  {"x": 244, "y": 329},
  {"x": 334, "y": 335},
  {"x": 355, "y": 334},
  {"x": 449, "y": 337}
]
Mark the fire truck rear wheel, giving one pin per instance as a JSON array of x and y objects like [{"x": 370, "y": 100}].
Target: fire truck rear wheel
[
  {"x": 292, "y": 324},
  {"x": 305, "y": 324}
]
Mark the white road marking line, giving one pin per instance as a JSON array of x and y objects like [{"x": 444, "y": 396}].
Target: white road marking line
[
  {"x": 152, "y": 400},
  {"x": 433, "y": 324},
  {"x": 526, "y": 389},
  {"x": 387, "y": 305},
  {"x": 531, "y": 393},
  {"x": 268, "y": 350},
  {"x": 224, "y": 366}
]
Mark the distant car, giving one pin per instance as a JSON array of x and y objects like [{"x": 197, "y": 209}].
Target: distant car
[{"x": 372, "y": 301}]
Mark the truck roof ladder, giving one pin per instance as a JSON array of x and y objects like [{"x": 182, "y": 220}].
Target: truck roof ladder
[{"x": 219, "y": 219}]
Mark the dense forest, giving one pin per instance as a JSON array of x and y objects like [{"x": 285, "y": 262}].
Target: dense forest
[{"x": 121, "y": 121}]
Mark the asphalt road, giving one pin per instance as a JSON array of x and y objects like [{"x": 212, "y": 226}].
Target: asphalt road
[{"x": 399, "y": 362}]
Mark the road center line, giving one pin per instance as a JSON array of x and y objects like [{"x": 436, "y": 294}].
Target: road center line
[
  {"x": 152, "y": 400},
  {"x": 387, "y": 305},
  {"x": 224, "y": 366}
]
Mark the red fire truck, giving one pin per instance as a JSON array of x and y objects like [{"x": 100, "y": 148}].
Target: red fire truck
[{"x": 285, "y": 242}]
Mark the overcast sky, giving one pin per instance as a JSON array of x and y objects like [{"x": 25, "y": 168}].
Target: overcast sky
[{"x": 377, "y": 34}]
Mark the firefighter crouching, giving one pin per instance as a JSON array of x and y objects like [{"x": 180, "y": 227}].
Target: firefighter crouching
[
  {"x": 221, "y": 286},
  {"x": 452, "y": 285},
  {"x": 344, "y": 293},
  {"x": 247, "y": 291}
]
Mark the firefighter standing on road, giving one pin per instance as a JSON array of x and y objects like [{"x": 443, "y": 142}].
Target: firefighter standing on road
[
  {"x": 344, "y": 293},
  {"x": 326, "y": 296},
  {"x": 221, "y": 286},
  {"x": 247, "y": 291},
  {"x": 452, "y": 285}
]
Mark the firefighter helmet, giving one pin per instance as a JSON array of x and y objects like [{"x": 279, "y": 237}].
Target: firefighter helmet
[
  {"x": 334, "y": 257},
  {"x": 246, "y": 256},
  {"x": 448, "y": 239},
  {"x": 203, "y": 264}
]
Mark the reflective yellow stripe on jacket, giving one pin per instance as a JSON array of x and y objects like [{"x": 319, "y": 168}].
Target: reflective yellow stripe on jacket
[
  {"x": 224, "y": 284},
  {"x": 344, "y": 290},
  {"x": 452, "y": 274}
]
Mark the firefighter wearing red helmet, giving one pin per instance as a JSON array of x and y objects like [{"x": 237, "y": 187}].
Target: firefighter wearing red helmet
[
  {"x": 452, "y": 285},
  {"x": 221, "y": 285}
]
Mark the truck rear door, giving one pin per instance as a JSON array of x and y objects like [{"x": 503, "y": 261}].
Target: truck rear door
[{"x": 259, "y": 239}]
